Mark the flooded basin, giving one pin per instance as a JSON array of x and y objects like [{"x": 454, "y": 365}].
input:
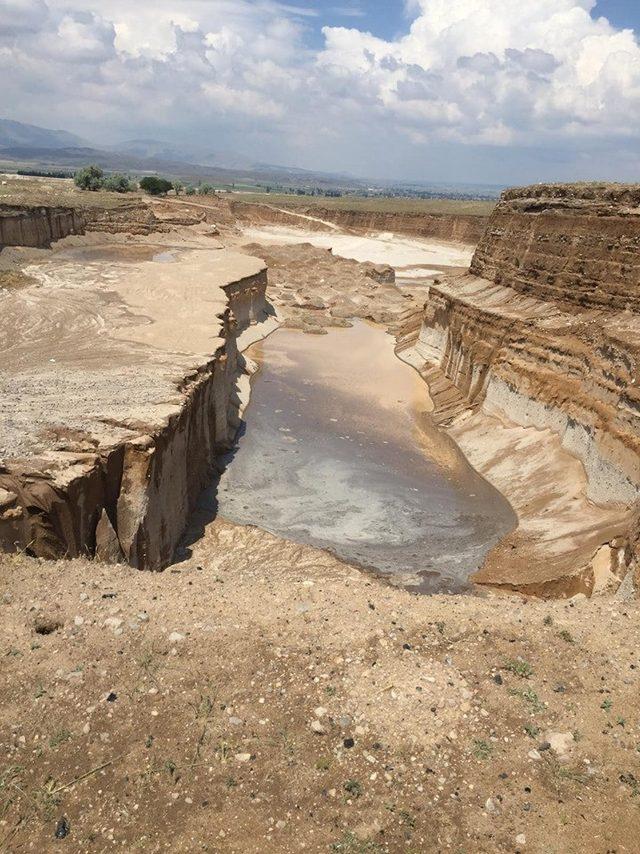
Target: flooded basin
[{"x": 338, "y": 451}]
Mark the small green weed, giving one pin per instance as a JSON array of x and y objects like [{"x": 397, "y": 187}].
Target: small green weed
[
  {"x": 59, "y": 738},
  {"x": 353, "y": 788},
  {"x": 519, "y": 667},
  {"x": 482, "y": 749}
]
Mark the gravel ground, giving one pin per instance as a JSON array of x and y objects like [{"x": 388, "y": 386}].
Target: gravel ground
[{"x": 261, "y": 696}]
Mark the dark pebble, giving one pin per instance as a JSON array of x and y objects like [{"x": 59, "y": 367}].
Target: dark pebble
[
  {"x": 62, "y": 828},
  {"x": 497, "y": 679},
  {"x": 348, "y": 742},
  {"x": 112, "y": 697}
]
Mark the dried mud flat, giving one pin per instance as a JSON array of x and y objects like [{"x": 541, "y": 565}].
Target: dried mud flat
[{"x": 263, "y": 697}]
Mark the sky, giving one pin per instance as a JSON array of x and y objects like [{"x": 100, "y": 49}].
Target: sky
[{"x": 482, "y": 91}]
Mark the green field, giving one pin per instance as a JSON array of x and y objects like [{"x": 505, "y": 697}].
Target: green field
[{"x": 457, "y": 207}]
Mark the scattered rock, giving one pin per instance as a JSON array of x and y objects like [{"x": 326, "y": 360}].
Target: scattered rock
[
  {"x": 561, "y": 743},
  {"x": 62, "y": 828},
  {"x": 492, "y": 807}
]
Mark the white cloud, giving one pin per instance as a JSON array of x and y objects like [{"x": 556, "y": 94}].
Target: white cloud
[
  {"x": 18, "y": 16},
  {"x": 496, "y": 71},
  {"x": 470, "y": 72}
]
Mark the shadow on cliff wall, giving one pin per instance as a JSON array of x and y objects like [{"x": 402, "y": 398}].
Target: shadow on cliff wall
[{"x": 206, "y": 509}]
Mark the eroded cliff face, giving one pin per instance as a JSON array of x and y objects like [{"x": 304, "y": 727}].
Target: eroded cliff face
[
  {"x": 574, "y": 244},
  {"x": 37, "y": 226},
  {"x": 459, "y": 228},
  {"x": 542, "y": 335},
  {"x": 124, "y": 484},
  {"x": 40, "y": 226}
]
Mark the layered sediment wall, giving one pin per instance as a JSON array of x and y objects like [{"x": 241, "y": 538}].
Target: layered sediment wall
[
  {"x": 459, "y": 228},
  {"x": 542, "y": 334},
  {"x": 37, "y": 227},
  {"x": 127, "y": 496},
  {"x": 40, "y": 226},
  {"x": 573, "y": 244}
]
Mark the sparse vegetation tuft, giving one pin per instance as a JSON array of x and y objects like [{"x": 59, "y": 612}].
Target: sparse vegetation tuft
[
  {"x": 482, "y": 749},
  {"x": 519, "y": 667}
]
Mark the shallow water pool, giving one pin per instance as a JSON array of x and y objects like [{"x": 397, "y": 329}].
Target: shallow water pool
[{"x": 338, "y": 451}]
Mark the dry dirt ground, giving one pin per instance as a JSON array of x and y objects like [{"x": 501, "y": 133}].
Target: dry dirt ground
[{"x": 263, "y": 697}]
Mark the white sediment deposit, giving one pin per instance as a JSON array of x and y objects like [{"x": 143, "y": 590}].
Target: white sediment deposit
[{"x": 396, "y": 250}]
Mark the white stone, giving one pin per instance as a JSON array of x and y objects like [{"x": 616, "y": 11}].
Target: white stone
[{"x": 561, "y": 742}]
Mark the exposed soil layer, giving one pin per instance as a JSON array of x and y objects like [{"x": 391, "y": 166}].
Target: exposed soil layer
[
  {"x": 508, "y": 349},
  {"x": 37, "y": 226},
  {"x": 573, "y": 244},
  {"x": 459, "y": 228},
  {"x": 119, "y": 385}
]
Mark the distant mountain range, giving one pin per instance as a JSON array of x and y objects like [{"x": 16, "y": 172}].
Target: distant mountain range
[
  {"x": 31, "y": 147},
  {"x": 25, "y": 147},
  {"x": 18, "y": 134}
]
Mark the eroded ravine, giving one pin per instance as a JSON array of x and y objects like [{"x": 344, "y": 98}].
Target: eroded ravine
[{"x": 339, "y": 452}]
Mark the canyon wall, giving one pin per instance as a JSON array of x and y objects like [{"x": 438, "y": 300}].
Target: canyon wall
[
  {"x": 542, "y": 334},
  {"x": 37, "y": 226},
  {"x": 135, "y": 217},
  {"x": 459, "y": 228},
  {"x": 40, "y": 226},
  {"x": 575, "y": 244},
  {"x": 131, "y": 501}
]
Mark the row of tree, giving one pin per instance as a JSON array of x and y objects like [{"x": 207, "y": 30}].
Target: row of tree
[{"x": 93, "y": 178}]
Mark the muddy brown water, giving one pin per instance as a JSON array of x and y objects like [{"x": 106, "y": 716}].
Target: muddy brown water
[
  {"x": 121, "y": 254},
  {"x": 338, "y": 451}
]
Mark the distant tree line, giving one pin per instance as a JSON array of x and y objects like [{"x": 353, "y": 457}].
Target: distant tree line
[
  {"x": 92, "y": 178},
  {"x": 41, "y": 173}
]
